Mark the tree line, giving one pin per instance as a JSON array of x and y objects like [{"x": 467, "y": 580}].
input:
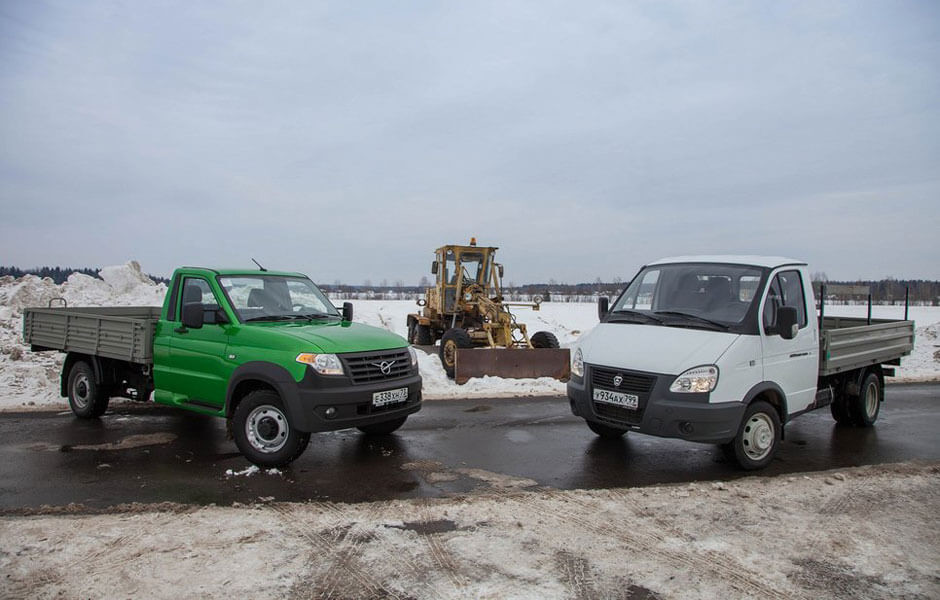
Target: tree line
[
  {"x": 59, "y": 274},
  {"x": 887, "y": 290}
]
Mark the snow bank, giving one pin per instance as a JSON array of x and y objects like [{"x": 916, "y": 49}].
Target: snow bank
[
  {"x": 866, "y": 532},
  {"x": 32, "y": 379}
]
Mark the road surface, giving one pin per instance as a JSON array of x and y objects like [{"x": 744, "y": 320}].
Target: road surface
[{"x": 146, "y": 453}]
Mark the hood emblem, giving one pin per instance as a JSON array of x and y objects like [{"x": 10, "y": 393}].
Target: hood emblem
[
  {"x": 385, "y": 366},
  {"x": 618, "y": 379}
]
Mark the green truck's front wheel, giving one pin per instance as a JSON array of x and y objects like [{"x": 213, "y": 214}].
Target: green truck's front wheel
[{"x": 263, "y": 431}]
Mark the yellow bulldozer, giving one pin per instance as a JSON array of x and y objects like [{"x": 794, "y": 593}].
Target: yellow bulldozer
[{"x": 478, "y": 334}]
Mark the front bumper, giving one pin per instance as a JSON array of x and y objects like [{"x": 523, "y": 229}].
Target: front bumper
[
  {"x": 315, "y": 394},
  {"x": 660, "y": 412}
]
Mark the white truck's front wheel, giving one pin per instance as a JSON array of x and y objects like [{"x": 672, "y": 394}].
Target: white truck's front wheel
[{"x": 758, "y": 437}]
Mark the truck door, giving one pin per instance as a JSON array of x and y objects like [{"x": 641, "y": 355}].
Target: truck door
[
  {"x": 196, "y": 370},
  {"x": 791, "y": 364}
]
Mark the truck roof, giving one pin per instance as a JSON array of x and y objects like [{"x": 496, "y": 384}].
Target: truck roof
[
  {"x": 245, "y": 271},
  {"x": 733, "y": 259}
]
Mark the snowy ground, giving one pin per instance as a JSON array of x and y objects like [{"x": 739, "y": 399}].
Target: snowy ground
[
  {"x": 30, "y": 379},
  {"x": 860, "y": 533}
]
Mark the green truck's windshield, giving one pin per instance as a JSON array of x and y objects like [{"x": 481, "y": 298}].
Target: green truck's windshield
[
  {"x": 716, "y": 294},
  {"x": 276, "y": 298}
]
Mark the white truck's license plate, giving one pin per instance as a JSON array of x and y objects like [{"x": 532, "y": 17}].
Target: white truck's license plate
[
  {"x": 619, "y": 398},
  {"x": 389, "y": 397}
]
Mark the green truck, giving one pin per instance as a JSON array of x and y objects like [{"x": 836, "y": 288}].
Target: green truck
[{"x": 266, "y": 350}]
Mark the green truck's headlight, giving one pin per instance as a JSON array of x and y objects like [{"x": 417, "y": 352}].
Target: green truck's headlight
[{"x": 324, "y": 364}]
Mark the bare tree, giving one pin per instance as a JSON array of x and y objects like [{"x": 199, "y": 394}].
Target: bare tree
[
  {"x": 424, "y": 281},
  {"x": 367, "y": 283}
]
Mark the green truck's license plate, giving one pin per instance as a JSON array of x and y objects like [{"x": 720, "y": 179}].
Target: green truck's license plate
[{"x": 389, "y": 397}]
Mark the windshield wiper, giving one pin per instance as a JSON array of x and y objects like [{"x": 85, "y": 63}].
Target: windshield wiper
[
  {"x": 319, "y": 315},
  {"x": 675, "y": 313},
  {"x": 629, "y": 312},
  {"x": 276, "y": 318}
]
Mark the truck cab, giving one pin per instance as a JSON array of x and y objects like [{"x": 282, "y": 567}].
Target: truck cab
[{"x": 716, "y": 349}]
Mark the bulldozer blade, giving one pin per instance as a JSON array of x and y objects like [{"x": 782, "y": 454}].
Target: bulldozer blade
[{"x": 513, "y": 363}]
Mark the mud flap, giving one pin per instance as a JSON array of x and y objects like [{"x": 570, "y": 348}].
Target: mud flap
[{"x": 512, "y": 363}]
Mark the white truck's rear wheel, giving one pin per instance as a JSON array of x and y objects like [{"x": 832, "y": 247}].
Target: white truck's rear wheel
[{"x": 865, "y": 407}]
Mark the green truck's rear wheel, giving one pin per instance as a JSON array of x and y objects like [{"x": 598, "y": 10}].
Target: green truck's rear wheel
[
  {"x": 87, "y": 398},
  {"x": 263, "y": 431}
]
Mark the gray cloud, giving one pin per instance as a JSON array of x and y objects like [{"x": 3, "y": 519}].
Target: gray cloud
[{"x": 349, "y": 141}]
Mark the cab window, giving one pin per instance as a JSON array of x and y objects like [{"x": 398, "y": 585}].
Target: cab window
[
  {"x": 786, "y": 289},
  {"x": 196, "y": 289}
]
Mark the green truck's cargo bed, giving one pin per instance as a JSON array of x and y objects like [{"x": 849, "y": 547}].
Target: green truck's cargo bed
[{"x": 122, "y": 333}]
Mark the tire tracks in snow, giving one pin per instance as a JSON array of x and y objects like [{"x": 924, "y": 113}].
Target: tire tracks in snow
[{"x": 709, "y": 564}]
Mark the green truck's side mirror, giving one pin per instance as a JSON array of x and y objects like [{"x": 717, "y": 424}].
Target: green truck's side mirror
[
  {"x": 194, "y": 315},
  {"x": 347, "y": 311}
]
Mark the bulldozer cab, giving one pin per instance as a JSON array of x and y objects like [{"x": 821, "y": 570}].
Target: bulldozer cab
[
  {"x": 459, "y": 267},
  {"x": 478, "y": 334}
]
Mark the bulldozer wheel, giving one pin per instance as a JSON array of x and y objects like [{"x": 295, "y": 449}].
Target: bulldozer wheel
[
  {"x": 452, "y": 340},
  {"x": 544, "y": 339},
  {"x": 422, "y": 335}
]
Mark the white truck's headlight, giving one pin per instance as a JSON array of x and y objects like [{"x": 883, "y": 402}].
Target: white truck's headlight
[
  {"x": 324, "y": 364},
  {"x": 414, "y": 356},
  {"x": 696, "y": 381},
  {"x": 577, "y": 363}
]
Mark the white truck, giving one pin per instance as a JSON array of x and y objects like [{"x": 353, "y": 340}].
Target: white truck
[{"x": 727, "y": 350}]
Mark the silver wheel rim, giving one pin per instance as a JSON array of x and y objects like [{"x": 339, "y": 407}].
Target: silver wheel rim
[
  {"x": 267, "y": 429},
  {"x": 759, "y": 436},
  {"x": 871, "y": 400},
  {"x": 81, "y": 391}
]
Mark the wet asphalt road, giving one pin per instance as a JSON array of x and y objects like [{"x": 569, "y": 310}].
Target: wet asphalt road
[{"x": 146, "y": 453}]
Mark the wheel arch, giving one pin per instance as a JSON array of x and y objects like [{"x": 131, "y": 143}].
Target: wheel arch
[
  {"x": 257, "y": 375},
  {"x": 772, "y": 394},
  {"x": 70, "y": 359}
]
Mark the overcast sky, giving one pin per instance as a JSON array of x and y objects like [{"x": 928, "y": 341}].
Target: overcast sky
[{"x": 349, "y": 139}]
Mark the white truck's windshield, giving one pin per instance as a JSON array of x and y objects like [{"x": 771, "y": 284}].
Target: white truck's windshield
[
  {"x": 276, "y": 298},
  {"x": 717, "y": 293}
]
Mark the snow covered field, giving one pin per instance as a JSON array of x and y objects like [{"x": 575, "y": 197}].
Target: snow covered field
[
  {"x": 861, "y": 533},
  {"x": 32, "y": 379}
]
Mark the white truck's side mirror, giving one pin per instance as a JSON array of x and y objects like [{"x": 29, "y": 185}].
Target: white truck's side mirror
[{"x": 788, "y": 322}]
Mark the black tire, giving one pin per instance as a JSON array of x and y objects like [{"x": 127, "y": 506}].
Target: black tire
[
  {"x": 840, "y": 410},
  {"x": 87, "y": 398},
  {"x": 263, "y": 432},
  {"x": 544, "y": 339},
  {"x": 452, "y": 340},
  {"x": 412, "y": 324},
  {"x": 864, "y": 408},
  {"x": 605, "y": 431},
  {"x": 758, "y": 437},
  {"x": 423, "y": 335},
  {"x": 384, "y": 428}
]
